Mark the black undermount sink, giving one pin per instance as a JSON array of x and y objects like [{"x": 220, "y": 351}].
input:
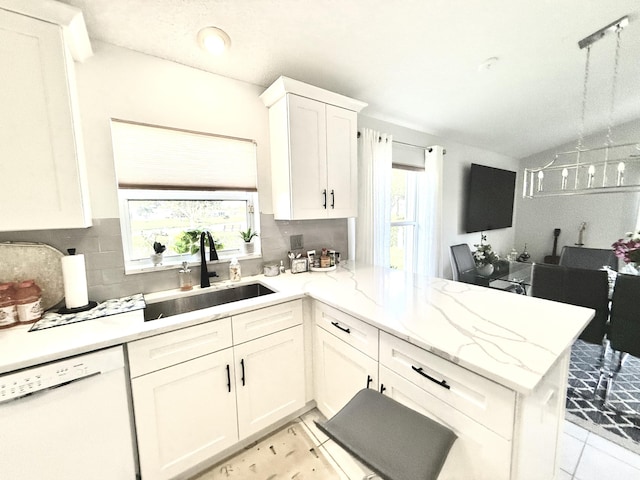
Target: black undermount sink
[{"x": 176, "y": 306}]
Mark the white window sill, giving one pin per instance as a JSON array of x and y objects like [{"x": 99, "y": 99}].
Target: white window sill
[{"x": 175, "y": 262}]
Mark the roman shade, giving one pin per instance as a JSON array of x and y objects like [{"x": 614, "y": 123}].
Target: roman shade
[
  {"x": 155, "y": 157},
  {"x": 408, "y": 156}
]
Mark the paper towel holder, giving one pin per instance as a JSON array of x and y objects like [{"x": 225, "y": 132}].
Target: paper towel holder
[
  {"x": 88, "y": 306},
  {"x": 91, "y": 304}
]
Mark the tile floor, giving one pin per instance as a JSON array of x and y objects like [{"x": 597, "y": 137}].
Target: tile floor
[
  {"x": 584, "y": 455},
  {"x": 587, "y": 456}
]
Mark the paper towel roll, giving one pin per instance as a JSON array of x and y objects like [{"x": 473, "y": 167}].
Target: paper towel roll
[{"x": 74, "y": 277}]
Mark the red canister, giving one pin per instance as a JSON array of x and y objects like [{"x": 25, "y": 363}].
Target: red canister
[
  {"x": 8, "y": 312},
  {"x": 28, "y": 301}
]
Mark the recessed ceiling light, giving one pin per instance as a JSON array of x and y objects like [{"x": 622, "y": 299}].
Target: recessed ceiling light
[{"x": 214, "y": 40}]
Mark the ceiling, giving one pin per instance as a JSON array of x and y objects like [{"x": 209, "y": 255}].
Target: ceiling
[{"x": 416, "y": 62}]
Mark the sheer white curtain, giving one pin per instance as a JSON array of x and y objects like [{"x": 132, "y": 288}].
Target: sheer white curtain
[
  {"x": 429, "y": 214},
  {"x": 373, "y": 225}
]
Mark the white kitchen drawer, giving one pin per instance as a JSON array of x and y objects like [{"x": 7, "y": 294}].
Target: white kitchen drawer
[
  {"x": 485, "y": 401},
  {"x": 258, "y": 323},
  {"x": 477, "y": 454},
  {"x": 161, "y": 351},
  {"x": 355, "y": 332}
]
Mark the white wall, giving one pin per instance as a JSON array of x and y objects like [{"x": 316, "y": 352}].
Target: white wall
[
  {"x": 608, "y": 215},
  {"x": 120, "y": 83},
  {"x": 457, "y": 162}
]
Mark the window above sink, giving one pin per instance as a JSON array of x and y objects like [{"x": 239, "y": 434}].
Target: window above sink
[
  {"x": 165, "y": 216},
  {"x": 174, "y": 184}
]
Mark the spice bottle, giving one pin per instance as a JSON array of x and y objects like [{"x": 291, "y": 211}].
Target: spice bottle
[
  {"x": 184, "y": 275},
  {"x": 325, "y": 261},
  {"x": 234, "y": 270},
  {"x": 28, "y": 301},
  {"x": 8, "y": 312}
]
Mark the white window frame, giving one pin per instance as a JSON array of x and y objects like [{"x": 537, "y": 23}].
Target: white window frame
[
  {"x": 411, "y": 199},
  {"x": 141, "y": 265}
]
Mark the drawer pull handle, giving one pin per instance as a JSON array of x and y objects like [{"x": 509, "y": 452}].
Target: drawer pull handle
[
  {"x": 369, "y": 380},
  {"x": 382, "y": 388},
  {"x": 333, "y": 199},
  {"x": 228, "y": 378},
  {"x": 337, "y": 325},
  {"x": 324, "y": 198},
  {"x": 442, "y": 383},
  {"x": 242, "y": 365}
]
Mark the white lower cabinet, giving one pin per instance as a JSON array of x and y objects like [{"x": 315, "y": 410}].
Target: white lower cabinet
[
  {"x": 269, "y": 379},
  {"x": 340, "y": 371},
  {"x": 205, "y": 402},
  {"x": 184, "y": 414}
]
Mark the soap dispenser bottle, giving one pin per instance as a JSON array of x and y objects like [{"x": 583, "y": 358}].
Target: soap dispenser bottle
[
  {"x": 234, "y": 270},
  {"x": 185, "y": 277}
]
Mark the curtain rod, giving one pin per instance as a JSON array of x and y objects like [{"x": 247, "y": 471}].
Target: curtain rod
[{"x": 428, "y": 149}]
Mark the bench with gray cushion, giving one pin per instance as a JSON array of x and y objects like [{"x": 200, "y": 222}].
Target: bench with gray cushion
[{"x": 397, "y": 443}]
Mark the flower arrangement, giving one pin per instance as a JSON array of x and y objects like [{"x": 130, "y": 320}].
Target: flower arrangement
[
  {"x": 483, "y": 254},
  {"x": 628, "y": 248}
]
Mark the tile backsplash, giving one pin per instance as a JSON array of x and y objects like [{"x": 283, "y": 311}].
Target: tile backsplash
[{"x": 102, "y": 246}]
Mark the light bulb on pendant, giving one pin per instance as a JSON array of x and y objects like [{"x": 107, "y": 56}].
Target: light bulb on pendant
[
  {"x": 565, "y": 176},
  {"x": 592, "y": 173},
  {"x": 540, "y": 179},
  {"x": 620, "y": 174}
]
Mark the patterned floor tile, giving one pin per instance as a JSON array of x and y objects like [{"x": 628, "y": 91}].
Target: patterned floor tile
[{"x": 621, "y": 415}]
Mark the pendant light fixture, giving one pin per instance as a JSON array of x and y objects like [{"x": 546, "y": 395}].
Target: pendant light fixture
[{"x": 609, "y": 168}]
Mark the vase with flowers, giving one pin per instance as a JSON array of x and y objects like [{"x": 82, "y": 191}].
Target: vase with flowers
[
  {"x": 628, "y": 249},
  {"x": 484, "y": 256}
]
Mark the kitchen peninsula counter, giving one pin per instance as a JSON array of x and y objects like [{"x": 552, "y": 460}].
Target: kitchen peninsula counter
[{"x": 511, "y": 339}]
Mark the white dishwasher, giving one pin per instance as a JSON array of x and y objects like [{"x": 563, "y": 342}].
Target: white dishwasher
[{"x": 67, "y": 420}]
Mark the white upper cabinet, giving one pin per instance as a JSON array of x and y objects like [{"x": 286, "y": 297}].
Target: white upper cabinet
[
  {"x": 42, "y": 168},
  {"x": 313, "y": 151}
]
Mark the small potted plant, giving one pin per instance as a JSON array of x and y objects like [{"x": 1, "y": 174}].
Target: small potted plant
[
  {"x": 156, "y": 258},
  {"x": 247, "y": 235}
]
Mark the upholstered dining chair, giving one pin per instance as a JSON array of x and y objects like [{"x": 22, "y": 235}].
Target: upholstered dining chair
[
  {"x": 547, "y": 281},
  {"x": 581, "y": 287},
  {"x": 591, "y": 258},
  {"x": 463, "y": 265},
  {"x": 576, "y": 286},
  {"x": 589, "y": 288},
  {"x": 624, "y": 327}
]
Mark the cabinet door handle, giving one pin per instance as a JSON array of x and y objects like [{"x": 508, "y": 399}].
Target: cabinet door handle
[
  {"x": 333, "y": 199},
  {"x": 228, "y": 378},
  {"x": 242, "y": 365},
  {"x": 337, "y": 325},
  {"x": 382, "y": 388},
  {"x": 442, "y": 383},
  {"x": 324, "y": 198},
  {"x": 369, "y": 380}
]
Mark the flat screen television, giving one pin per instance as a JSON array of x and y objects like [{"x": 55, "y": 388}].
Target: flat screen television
[{"x": 489, "y": 198}]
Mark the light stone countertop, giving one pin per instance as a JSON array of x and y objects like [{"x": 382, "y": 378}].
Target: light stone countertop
[{"x": 511, "y": 339}]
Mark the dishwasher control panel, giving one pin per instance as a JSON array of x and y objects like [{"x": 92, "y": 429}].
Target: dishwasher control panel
[{"x": 41, "y": 377}]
